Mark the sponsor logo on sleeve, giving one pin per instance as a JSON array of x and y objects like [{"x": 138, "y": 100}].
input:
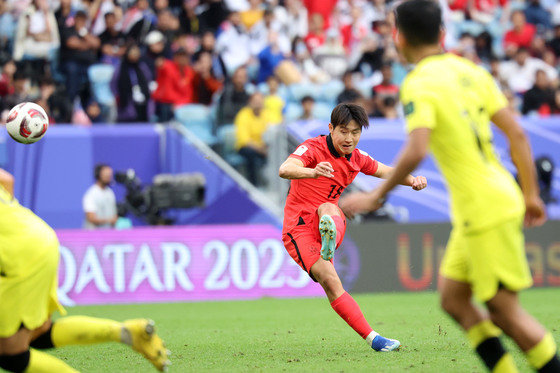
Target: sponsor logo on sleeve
[{"x": 300, "y": 150}]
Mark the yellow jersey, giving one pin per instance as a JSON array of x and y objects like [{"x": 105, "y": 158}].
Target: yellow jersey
[
  {"x": 274, "y": 105},
  {"x": 456, "y": 99},
  {"x": 18, "y": 222},
  {"x": 249, "y": 128}
]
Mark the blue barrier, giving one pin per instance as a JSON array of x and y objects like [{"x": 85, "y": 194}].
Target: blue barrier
[
  {"x": 384, "y": 138},
  {"x": 53, "y": 174}
]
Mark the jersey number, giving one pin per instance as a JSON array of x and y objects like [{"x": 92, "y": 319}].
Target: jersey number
[
  {"x": 333, "y": 194},
  {"x": 474, "y": 127}
]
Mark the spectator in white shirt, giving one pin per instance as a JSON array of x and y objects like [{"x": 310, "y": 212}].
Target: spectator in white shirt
[
  {"x": 233, "y": 43},
  {"x": 99, "y": 202},
  {"x": 292, "y": 18},
  {"x": 520, "y": 72},
  {"x": 260, "y": 34},
  {"x": 37, "y": 33}
]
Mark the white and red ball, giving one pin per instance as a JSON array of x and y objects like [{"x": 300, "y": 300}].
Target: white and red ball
[{"x": 27, "y": 123}]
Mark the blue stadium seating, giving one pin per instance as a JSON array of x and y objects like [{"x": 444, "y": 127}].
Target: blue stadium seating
[
  {"x": 226, "y": 137},
  {"x": 197, "y": 119},
  {"x": 292, "y": 111},
  {"x": 322, "y": 111},
  {"x": 330, "y": 91},
  {"x": 300, "y": 90},
  {"x": 100, "y": 76}
]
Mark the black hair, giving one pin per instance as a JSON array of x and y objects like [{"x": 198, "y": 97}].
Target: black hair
[
  {"x": 389, "y": 101},
  {"x": 80, "y": 14},
  {"x": 345, "y": 112},
  {"x": 46, "y": 80},
  {"x": 307, "y": 98},
  {"x": 386, "y": 63},
  {"x": 97, "y": 170},
  {"x": 20, "y": 75},
  {"x": 419, "y": 21},
  {"x": 181, "y": 52}
]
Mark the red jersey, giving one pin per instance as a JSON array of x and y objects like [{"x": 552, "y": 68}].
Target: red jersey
[
  {"x": 173, "y": 85},
  {"x": 306, "y": 195},
  {"x": 524, "y": 38}
]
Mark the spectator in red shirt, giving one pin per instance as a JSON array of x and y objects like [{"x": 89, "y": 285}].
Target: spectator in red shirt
[
  {"x": 521, "y": 35},
  {"x": 174, "y": 85},
  {"x": 316, "y": 36},
  {"x": 458, "y": 5},
  {"x": 205, "y": 83},
  {"x": 486, "y": 11},
  {"x": 7, "y": 78},
  {"x": 354, "y": 32},
  {"x": 322, "y": 7},
  {"x": 386, "y": 87}
]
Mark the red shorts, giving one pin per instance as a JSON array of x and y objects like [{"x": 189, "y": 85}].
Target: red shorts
[{"x": 303, "y": 242}]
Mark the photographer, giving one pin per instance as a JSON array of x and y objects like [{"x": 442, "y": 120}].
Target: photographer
[{"x": 99, "y": 202}]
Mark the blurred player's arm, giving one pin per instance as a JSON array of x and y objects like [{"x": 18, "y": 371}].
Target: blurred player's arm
[
  {"x": 520, "y": 151},
  {"x": 7, "y": 181},
  {"x": 384, "y": 172},
  {"x": 414, "y": 151},
  {"x": 293, "y": 168}
]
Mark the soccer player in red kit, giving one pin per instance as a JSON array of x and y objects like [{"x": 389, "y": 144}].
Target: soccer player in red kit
[{"x": 314, "y": 225}]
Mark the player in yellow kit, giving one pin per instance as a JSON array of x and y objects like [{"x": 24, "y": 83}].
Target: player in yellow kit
[
  {"x": 28, "y": 284},
  {"x": 449, "y": 103}
]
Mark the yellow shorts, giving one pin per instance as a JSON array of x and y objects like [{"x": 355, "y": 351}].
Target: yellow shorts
[
  {"x": 28, "y": 280},
  {"x": 488, "y": 259}
]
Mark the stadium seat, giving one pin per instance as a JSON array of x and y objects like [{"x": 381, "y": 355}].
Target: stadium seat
[
  {"x": 100, "y": 76},
  {"x": 197, "y": 119},
  {"x": 292, "y": 112},
  {"x": 226, "y": 137},
  {"x": 330, "y": 91},
  {"x": 263, "y": 88},
  {"x": 322, "y": 111},
  {"x": 300, "y": 90},
  {"x": 364, "y": 86}
]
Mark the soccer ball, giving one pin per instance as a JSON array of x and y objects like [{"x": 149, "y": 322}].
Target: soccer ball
[{"x": 27, "y": 123}]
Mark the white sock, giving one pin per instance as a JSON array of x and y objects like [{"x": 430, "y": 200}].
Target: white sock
[{"x": 371, "y": 336}]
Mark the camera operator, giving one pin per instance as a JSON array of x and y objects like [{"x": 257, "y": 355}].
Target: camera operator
[{"x": 99, "y": 202}]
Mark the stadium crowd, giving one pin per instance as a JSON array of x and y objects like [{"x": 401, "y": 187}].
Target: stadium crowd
[{"x": 253, "y": 62}]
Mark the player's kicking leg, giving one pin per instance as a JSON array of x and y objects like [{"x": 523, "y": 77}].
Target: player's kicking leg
[
  {"x": 331, "y": 228},
  {"x": 139, "y": 334}
]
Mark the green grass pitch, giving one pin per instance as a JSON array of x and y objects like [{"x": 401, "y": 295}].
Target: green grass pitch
[{"x": 302, "y": 335}]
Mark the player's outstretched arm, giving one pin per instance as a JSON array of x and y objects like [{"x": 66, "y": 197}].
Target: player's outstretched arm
[
  {"x": 7, "y": 181},
  {"x": 522, "y": 157},
  {"x": 416, "y": 182},
  {"x": 293, "y": 168},
  {"x": 412, "y": 154}
]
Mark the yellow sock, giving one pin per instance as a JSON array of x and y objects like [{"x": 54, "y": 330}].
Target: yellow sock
[
  {"x": 484, "y": 339},
  {"x": 543, "y": 352},
  {"x": 84, "y": 330},
  {"x": 40, "y": 362},
  {"x": 481, "y": 332},
  {"x": 505, "y": 365}
]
